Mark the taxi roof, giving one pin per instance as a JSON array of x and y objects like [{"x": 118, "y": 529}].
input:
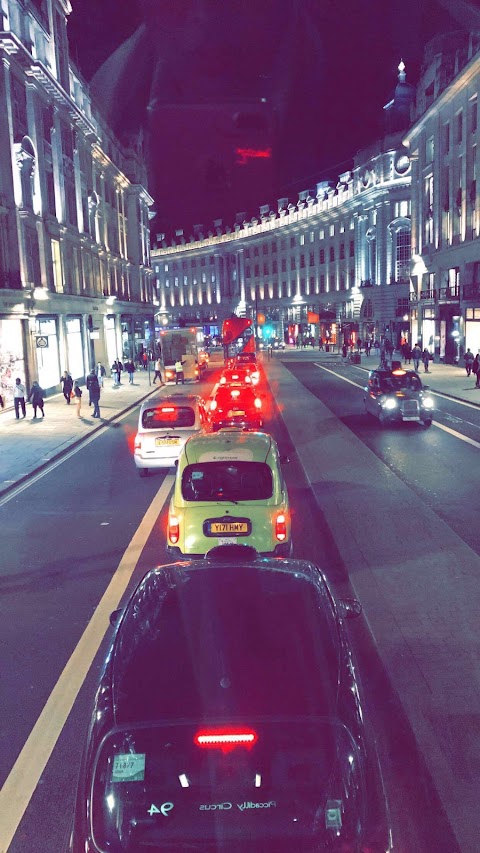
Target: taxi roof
[
  {"x": 229, "y": 443},
  {"x": 172, "y": 399}
]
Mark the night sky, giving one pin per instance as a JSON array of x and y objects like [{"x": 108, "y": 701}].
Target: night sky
[{"x": 342, "y": 71}]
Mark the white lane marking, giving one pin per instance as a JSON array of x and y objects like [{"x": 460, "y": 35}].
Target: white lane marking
[
  {"x": 76, "y": 449},
  {"x": 434, "y": 423},
  {"x": 30, "y": 764}
]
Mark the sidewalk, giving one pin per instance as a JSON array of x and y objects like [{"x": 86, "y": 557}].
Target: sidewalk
[{"x": 28, "y": 445}]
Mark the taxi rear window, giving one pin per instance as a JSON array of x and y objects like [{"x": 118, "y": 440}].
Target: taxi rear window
[
  {"x": 228, "y": 480},
  {"x": 159, "y": 417},
  {"x": 407, "y": 382}
]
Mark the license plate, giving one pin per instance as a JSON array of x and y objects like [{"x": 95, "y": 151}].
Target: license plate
[
  {"x": 164, "y": 442},
  {"x": 227, "y": 540},
  {"x": 234, "y": 413},
  {"x": 228, "y": 528},
  {"x": 411, "y": 419}
]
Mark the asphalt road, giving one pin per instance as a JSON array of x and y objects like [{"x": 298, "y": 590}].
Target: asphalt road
[{"x": 65, "y": 535}]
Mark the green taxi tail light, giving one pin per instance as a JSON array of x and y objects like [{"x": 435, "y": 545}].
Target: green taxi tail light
[
  {"x": 225, "y": 739},
  {"x": 173, "y": 529},
  {"x": 258, "y": 403},
  {"x": 281, "y": 527}
]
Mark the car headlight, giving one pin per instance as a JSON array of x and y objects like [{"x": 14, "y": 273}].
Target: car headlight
[
  {"x": 388, "y": 403},
  {"x": 428, "y": 403}
]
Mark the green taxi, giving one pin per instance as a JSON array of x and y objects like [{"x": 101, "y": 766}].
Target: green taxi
[{"x": 229, "y": 489}]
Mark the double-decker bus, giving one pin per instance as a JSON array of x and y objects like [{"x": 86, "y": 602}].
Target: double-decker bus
[
  {"x": 182, "y": 344},
  {"x": 237, "y": 336}
]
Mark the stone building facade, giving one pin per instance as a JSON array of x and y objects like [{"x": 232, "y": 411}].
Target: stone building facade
[
  {"x": 75, "y": 278},
  {"x": 443, "y": 144}
]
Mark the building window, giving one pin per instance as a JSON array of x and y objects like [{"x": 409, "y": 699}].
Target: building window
[
  {"x": 257, "y": 270},
  {"x": 342, "y": 251},
  {"x": 459, "y": 126},
  {"x": 331, "y": 253},
  {"x": 302, "y": 261},
  {"x": 284, "y": 264},
  {"x": 446, "y": 138},
  {"x": 274, "y": 267},
  {"x": 473, "y": 115},
  {"x": 331, "y": 282},
  {"x": 402, "y": 255},
  {"x": 311, "y": 259},
  {"x": 322, "y": 283},
  {"x": 255, "y": 252},
  {"x": 402, "y": 209},
  {"x": 332, "y": 230},
  {"x": 302, "y": 239},
  {"x": 321, "y": 234},
  {"x": 265, "y": 269},
  {"x": 274, "y": 248},
  {"x": 265, "y": 249},
  {"x": 312, "y": 236},
  {"x": 351, "y": 249},
  {"x": 247, "y": 253},
  {"x": 322, "y": 256},
  {"x": 429, "y": 150},
  {"x": 292, "y": 242},
  {"x": 283, "y": 243},
  {"x": 292, "y": 263},
  {"x": 429, "y": 199}
]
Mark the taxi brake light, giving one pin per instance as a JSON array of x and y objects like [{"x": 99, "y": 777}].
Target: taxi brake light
[
  {"x": 258, "y": 403},
  {"x": 225, "y": 739},
  {"x": 235, "y": 393},
  {"x": 213, "y": 405},
  {"x": 138, "y": 443},
  {"x": 167, "y": 409},
  {"x": 399, "y": 372},
  {"x": 173, "y": 529},
  {"x": 281, "y": 527}
]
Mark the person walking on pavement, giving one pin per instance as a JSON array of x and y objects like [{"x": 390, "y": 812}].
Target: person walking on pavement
[
  {"x": 130, "y": 369},
  {"x": 425, "y": 359},
  {"x": 67, "y": 383},
  {"x": 475, "y": 367},
  {"x": 19, "y": 398},
  {"x": 77, "y": 392},
  {"x": 94, "y": 390},
  {"x": 469, "y": 359},
  {"x": 101, "y": 372},
  {"x": 36, "y": 398},
  {"x": 179, "y": 374},
  {"x": 416, "y": 355},
  {"x": 158, "y": 371}
]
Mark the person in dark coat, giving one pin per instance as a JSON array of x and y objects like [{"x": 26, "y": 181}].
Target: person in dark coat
[
  {"x": 67, "y": 383},
  {"x": 130, "y": 369},
  {"x": 94, "y": 391},
  {"x": 36, "y": 398},
  {"x": 426, "y": 360},
  {"x": 475, "y": 367}
]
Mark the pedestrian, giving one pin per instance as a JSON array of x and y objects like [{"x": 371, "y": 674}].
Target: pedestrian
[
  {"x": 425, "y": 359},
  {"x": 320, "y": 343},
  {"x": 19, "y": 398},
  {"x": 101, "y": 372},
  {"x": 344, "y": 349},
  {"x": 416, "y": 355},
  {"x": 2, "y": 402},
  {"x": 91, "y": 378},
  {"x": 407, "y": 353},
  {"x": 158, "y": 371},
  {"x": 117, "y": 368},
  {"x": 144, "y": 360},
  {"x": 179, "y": 374},
  {"x": 469, "y": 359},
  {"x": 359, "y": 344},
  {"x": 94, "y": 390},
  {"x": 67, "y": 383},
  {"x": 376, "y": 346},
  {"x": 130, "y": 369},
  {"x": 36, "y": 398},
  {"x": 475, "y": 369},
  {"x": 77, "y": 393}
]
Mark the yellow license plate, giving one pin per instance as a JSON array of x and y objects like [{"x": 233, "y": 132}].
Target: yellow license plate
[
  {"x": 163, "y": 442},
  {"x": 230, "y": 528},
  {"x": 234, "y": 412}
]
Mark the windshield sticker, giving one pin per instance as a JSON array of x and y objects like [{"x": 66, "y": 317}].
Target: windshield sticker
[
  {"x": 333, "y": 814},
  {"x": 129, "y": 768},
  {"x": 225, "y": 456}
]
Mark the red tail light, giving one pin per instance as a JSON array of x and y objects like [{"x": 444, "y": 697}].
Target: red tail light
[
  {"x": 281, "y": 527},
  {"x": 138, "y": 444},
  {"x": 225, "y": 739},
  {"x": 173, "y": 529}
]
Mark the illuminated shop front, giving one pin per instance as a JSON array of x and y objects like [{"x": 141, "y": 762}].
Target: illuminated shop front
[
  {"x": 472, "y": 329},
  {"x": 74, "y": 343},
  {"x": 12, "y": 363},
  {"x": 111, "y": 338},
  {"x": 48, "y": 363}
]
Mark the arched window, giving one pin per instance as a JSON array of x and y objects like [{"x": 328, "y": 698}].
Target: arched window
[
  {"x": 400, "y": 232},
  {"x": 26, "y": 158},
  {"x": 371, "y": 260}
]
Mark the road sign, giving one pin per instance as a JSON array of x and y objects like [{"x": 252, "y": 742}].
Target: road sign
[{"x": 42, "y": 342}]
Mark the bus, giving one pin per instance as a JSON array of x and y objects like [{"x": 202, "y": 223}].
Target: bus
[
  {"x": 181, "y": 345},
  {"x": 237, "y": 336}
]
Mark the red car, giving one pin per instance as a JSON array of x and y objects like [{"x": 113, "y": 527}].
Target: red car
[
  {"x": 233, "y": 405},
  {"x": 236, "y": 375}
]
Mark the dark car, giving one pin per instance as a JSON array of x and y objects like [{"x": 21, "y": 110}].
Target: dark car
[
  {"x": 398, "y": 395},
  {"x": 228, "y": 718},
  {"x": 234, "y": 405}
]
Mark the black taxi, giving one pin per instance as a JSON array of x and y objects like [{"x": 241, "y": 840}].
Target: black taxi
[{"x": 398, "y": 395}]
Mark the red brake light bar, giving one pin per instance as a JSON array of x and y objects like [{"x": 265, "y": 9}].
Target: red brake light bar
[{"x": 225, "y": 739}]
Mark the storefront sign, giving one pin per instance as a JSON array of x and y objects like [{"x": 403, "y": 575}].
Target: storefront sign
[{"x": 42, "y": 341}]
